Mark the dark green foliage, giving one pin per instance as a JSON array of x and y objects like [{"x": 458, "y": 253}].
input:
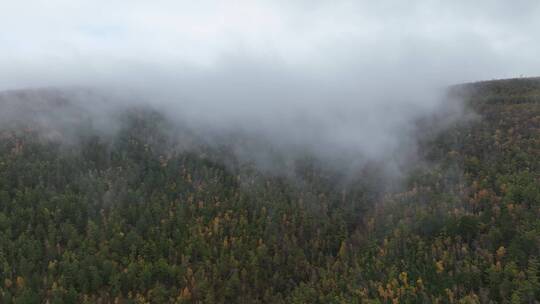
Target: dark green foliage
[{"x": 133, "y": 219}]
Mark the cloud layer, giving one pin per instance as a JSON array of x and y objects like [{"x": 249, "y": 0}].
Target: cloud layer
[
  {"x": 77, "y": 42},
  {"x": 341, "y": 78}
]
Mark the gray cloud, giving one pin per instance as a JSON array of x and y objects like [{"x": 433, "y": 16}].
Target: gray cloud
[{"x": 341, "y": 79}]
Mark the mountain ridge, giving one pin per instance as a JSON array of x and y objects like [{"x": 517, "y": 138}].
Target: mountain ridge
[{"x": 128, "y": 217}]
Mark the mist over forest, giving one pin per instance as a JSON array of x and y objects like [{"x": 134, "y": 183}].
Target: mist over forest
[
  {"x": 269, "y": 152},
  {"x": 345, "y": 82}
]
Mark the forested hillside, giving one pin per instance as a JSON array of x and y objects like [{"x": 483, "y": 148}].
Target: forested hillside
[{"x": 129, "y": 217}]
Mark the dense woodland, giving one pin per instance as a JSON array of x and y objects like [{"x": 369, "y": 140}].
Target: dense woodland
[{"x": 129, "y": 218}]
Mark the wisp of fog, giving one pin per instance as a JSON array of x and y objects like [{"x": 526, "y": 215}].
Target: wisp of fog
[{"x": 344, "y": 81}]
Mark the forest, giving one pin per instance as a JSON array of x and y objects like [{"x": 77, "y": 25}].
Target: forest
[{"x": 131, "y": 218}]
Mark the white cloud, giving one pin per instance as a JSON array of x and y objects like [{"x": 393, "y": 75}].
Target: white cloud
[{"x": 350, "y": 75}]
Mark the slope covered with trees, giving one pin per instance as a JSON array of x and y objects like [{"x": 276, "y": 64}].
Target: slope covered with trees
[{"x": 131, "y": 218}]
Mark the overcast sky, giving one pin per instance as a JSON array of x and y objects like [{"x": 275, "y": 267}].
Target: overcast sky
[
  {"x": 349, "y": 74},
  {"x": 54, "y": 42}
]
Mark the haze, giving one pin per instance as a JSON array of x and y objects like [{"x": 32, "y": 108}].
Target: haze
[{"x": 341, "y": 79}]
